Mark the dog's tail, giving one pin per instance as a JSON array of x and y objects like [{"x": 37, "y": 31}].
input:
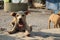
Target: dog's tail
[{"x": 49, "y": 21}]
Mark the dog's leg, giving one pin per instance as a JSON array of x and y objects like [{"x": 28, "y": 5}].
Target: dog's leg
[
  {"x": 59, "y": 25},
  {"x": 14, "y": 30},
  {"x": 28, "y": 31},
  {"x": 12, "y": 23},
  {"x": 55, "y": 26},
  {"x": 30, "y": 26},
  {"x": 49, "y": 24}
]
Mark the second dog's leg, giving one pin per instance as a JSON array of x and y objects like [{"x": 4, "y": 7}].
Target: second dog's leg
[
  {"x": 59, "y": 25},
  {"x": 49, "y": 24},
  {"x": 55, "y": 26}
]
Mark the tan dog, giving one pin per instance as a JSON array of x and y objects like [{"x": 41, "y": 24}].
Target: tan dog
[
  {"x": 38, "y": 5},
  {"x": 19, "y": 23},
  {"x": 55, "y": 18}
]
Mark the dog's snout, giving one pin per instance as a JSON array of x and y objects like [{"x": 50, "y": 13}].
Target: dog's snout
[{"x": 20, "y": 19}]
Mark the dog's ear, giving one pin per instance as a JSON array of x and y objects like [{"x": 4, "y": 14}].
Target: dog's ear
[
  {"x": 13, "y": 14},
  {"x": 27, "y": 12}
]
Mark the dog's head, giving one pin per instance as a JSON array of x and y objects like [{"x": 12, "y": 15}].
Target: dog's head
[{"x": 20, "y": 17}]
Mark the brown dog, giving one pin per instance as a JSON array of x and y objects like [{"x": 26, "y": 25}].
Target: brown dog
[
  {"x": 55, "y": 18},
  {"x": 19, "y": 23}
]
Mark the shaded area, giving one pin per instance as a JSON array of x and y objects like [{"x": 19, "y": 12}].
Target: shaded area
[
  {"x": 58, "y": 38},
  {"x": 5, "y": 37},
  {"x": 44, "y": 34}
]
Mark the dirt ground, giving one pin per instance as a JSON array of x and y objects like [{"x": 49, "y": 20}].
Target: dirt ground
[{"x": 39, "y": 21}]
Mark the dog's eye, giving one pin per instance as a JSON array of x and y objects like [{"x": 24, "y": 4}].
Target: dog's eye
[{"x": 22, "y": 15}]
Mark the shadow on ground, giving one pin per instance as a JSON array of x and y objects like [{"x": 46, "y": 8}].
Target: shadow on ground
[
  {"x": 44, "y": 34},
  {"x": 5, "y": 37},
  {"x": 56, "y": 38}
]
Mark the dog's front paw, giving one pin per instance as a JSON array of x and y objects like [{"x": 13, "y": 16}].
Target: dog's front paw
[
  {"x": 28, "y": 35},
  {"x": 10, "y": 32}
]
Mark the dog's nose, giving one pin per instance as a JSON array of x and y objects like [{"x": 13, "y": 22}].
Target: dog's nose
[{"x": 20, "y": 19}]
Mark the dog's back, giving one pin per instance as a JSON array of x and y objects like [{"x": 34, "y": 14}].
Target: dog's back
[{"x": 54, "y": 17}]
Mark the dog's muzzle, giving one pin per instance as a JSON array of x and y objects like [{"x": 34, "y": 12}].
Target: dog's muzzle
[{"x": 21, "y": 23}]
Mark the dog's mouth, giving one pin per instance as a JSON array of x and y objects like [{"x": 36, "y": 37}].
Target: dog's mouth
[{"x": 21, "y": 23}]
